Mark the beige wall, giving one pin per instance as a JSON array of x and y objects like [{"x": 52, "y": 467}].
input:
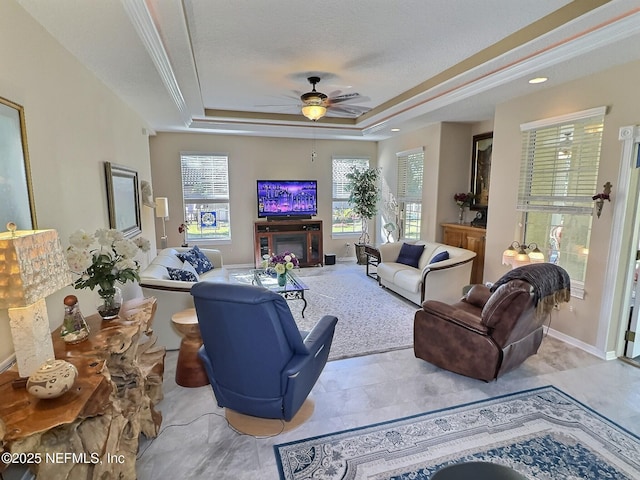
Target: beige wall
[
  {"x": 447, "y": 169},
  {"x": 250, "y": 159},
  {"x": 617, "y": 89},
  {"x": 74, "y": 124}
]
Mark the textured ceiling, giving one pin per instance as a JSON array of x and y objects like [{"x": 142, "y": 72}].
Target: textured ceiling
[{"x": 241, "y": 66}]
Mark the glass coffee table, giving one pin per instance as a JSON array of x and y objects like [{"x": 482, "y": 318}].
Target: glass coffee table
[{"x": 292, "y": 290}]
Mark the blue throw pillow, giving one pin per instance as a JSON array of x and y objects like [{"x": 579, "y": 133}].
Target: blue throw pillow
[
  {"x": 410, "y": 254},
  {"x": 440, "y": 257},
  {"x": 196, "y": 258},
  {"x": 182, "y": 275}
]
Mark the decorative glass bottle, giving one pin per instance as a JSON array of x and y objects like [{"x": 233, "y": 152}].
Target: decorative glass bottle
[{"x": 74, "y": 327}]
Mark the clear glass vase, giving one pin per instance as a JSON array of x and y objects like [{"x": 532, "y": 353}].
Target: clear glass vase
[
  {"x": 282, "y": 279},
  {"x": 461, "y": 215},
  {"x": 109, "y": 303}
]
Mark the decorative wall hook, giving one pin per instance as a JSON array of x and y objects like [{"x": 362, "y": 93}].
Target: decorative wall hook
[{"x": 601, "y": 197}]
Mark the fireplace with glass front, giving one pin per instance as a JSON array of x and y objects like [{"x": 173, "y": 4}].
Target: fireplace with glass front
[{"x": 301, "y": 237}]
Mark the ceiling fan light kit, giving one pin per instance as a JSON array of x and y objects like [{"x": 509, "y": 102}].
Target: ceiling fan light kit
[{"x": 313, "y": 102}]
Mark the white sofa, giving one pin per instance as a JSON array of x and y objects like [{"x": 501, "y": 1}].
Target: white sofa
[
  {"x": 441, "y": 280},
  {"x": 174, "y": 295}
]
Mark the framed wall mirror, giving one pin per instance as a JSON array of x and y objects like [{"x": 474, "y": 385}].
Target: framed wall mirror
[
  {"x": 16, "y": 192},
  {"x": 124, "y": 199},
  {"x": 481, "y": 170}
]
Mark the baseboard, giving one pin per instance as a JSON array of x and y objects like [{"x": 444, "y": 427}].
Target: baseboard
[
  {"x": 611, "y": 355},
  {"x": 7, "y": 362}
]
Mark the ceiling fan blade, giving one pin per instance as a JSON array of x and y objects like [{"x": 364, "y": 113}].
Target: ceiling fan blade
[
  {"x": 349, "y": 110},
  {"x": 344, "y": 98}
]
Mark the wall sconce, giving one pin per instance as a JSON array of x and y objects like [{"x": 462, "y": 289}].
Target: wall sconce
[
  {"x": 601, "y": 197},
  {"x": 516, "y": 254},
  {"x": 162, "y": 211},
  {"x": 32, "y": 267}
]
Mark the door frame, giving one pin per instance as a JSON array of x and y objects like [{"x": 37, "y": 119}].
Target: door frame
[{"x": 621, "y": 257}]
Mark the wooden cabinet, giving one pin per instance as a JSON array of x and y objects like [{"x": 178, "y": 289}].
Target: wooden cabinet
[
  {"x": 470, "y": 238},
  {"x": 301, "y": 237}
]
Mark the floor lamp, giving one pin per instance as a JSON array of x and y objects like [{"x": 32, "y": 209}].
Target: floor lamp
[
  {"x": 162, "y": 211},
  {"x": 33, "y": 267}
]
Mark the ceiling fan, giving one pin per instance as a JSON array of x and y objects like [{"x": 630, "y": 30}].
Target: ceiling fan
[{"x": 315, "y": 104}]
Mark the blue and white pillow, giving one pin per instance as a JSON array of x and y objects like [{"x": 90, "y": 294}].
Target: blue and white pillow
[
  {"x": 182, "y": 275},
  {"x": 198, "y": 259}
]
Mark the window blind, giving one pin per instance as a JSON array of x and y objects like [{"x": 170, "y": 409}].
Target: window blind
[
  {"x": 205, "y": 178},
  {"x": 559, "y": 165},
  {"x": 410, "y": 172},
  {"x": 341, "y": 167}
]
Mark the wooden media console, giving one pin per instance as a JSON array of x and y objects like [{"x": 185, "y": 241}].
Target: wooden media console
[{"x": 301, "y": 237}]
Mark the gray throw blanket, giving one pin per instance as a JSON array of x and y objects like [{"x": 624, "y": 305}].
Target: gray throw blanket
[{"x": 550, "y": 283}]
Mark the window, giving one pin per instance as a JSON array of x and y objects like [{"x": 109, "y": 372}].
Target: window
[
  {"x": 344, "y": 221},
  {"x": 205, "y": 193},
  {"x": 558, "y": 177},
  {"x": 410, "y": 169}
]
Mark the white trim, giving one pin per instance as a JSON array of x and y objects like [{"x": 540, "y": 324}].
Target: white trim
[
  {"x": 412, "y": 151},
  {"x": 560, "y": 119},
  {"x": 143, "y": 24},
  {"x": 629, "y": 136},
  {"x": 7, "y": 362},
  {"x": 577, "y": 289},
  {"x": 580, "y": 344},
  {"x": 351, "y": 157}
]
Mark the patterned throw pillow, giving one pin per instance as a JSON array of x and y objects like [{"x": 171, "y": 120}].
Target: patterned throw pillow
[
  {"x": 198, "y": 259},
  {"x": 182, "y": 275},
  {"x": 410, "y": 254}
]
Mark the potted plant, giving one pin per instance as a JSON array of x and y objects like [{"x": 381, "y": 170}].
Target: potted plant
[{"x": 363, "y": 196}]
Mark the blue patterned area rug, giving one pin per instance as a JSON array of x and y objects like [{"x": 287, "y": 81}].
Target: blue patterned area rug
[{"x": 542, "y": 433}]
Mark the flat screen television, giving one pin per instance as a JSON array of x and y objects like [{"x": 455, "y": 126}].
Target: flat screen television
[{"x": 287, "y": 198}]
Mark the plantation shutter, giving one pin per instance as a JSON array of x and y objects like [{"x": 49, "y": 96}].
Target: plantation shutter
[
  {"x": 410, "y": 170},
  {"x": 560, "y": 160},
  {"x": 341, "y": 167},
  {"x": 205, "y": 178}
]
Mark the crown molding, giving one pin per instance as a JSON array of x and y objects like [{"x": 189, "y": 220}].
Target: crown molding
[{"x": 143, "y": 24}]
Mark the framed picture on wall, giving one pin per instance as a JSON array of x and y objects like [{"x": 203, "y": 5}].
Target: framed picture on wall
[
  {"x": 16, "y": 194},
  {"x": 124, "y": 199},
  {"x": 481, "y": 170}
]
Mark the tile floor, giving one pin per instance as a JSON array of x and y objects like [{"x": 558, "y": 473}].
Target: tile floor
[{"x": 196, "y": 443}]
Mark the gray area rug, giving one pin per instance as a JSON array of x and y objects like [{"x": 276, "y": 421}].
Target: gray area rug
[
  {"x": 542, "y": 433},
  {"x": 370, "y": 319}
]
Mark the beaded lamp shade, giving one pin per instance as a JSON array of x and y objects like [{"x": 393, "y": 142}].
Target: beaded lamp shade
[{"x": 32, "y": 267}]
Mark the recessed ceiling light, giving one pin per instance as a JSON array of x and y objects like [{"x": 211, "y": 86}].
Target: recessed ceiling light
[
  {"x": 395, "y": 129},
  {"x": 538, "y": 80}
]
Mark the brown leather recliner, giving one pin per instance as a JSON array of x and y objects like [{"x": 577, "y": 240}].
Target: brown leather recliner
[{"x": 485, "y": 334}]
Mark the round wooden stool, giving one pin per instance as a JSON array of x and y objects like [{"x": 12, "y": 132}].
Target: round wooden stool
[{"x": 189, "y": 372}]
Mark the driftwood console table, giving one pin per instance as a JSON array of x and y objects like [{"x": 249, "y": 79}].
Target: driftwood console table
[{"x": 91, "y": 431}]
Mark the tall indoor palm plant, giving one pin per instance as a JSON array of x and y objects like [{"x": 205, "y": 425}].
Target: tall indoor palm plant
[{"x": 363, "y": 196}]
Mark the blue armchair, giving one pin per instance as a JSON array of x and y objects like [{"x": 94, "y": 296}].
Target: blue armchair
[{"x": 257, "y": 360}]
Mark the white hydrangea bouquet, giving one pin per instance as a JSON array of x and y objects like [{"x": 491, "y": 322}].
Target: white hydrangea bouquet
[{"x": 104, "y": 258}]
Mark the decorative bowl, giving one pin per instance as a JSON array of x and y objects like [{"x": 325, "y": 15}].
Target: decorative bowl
[{"x": 52, "y": 379}]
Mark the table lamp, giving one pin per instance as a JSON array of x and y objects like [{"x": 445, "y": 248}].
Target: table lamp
[
  {"x": 162, "y": 211},
  {"x": 32, "y": 267}
]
